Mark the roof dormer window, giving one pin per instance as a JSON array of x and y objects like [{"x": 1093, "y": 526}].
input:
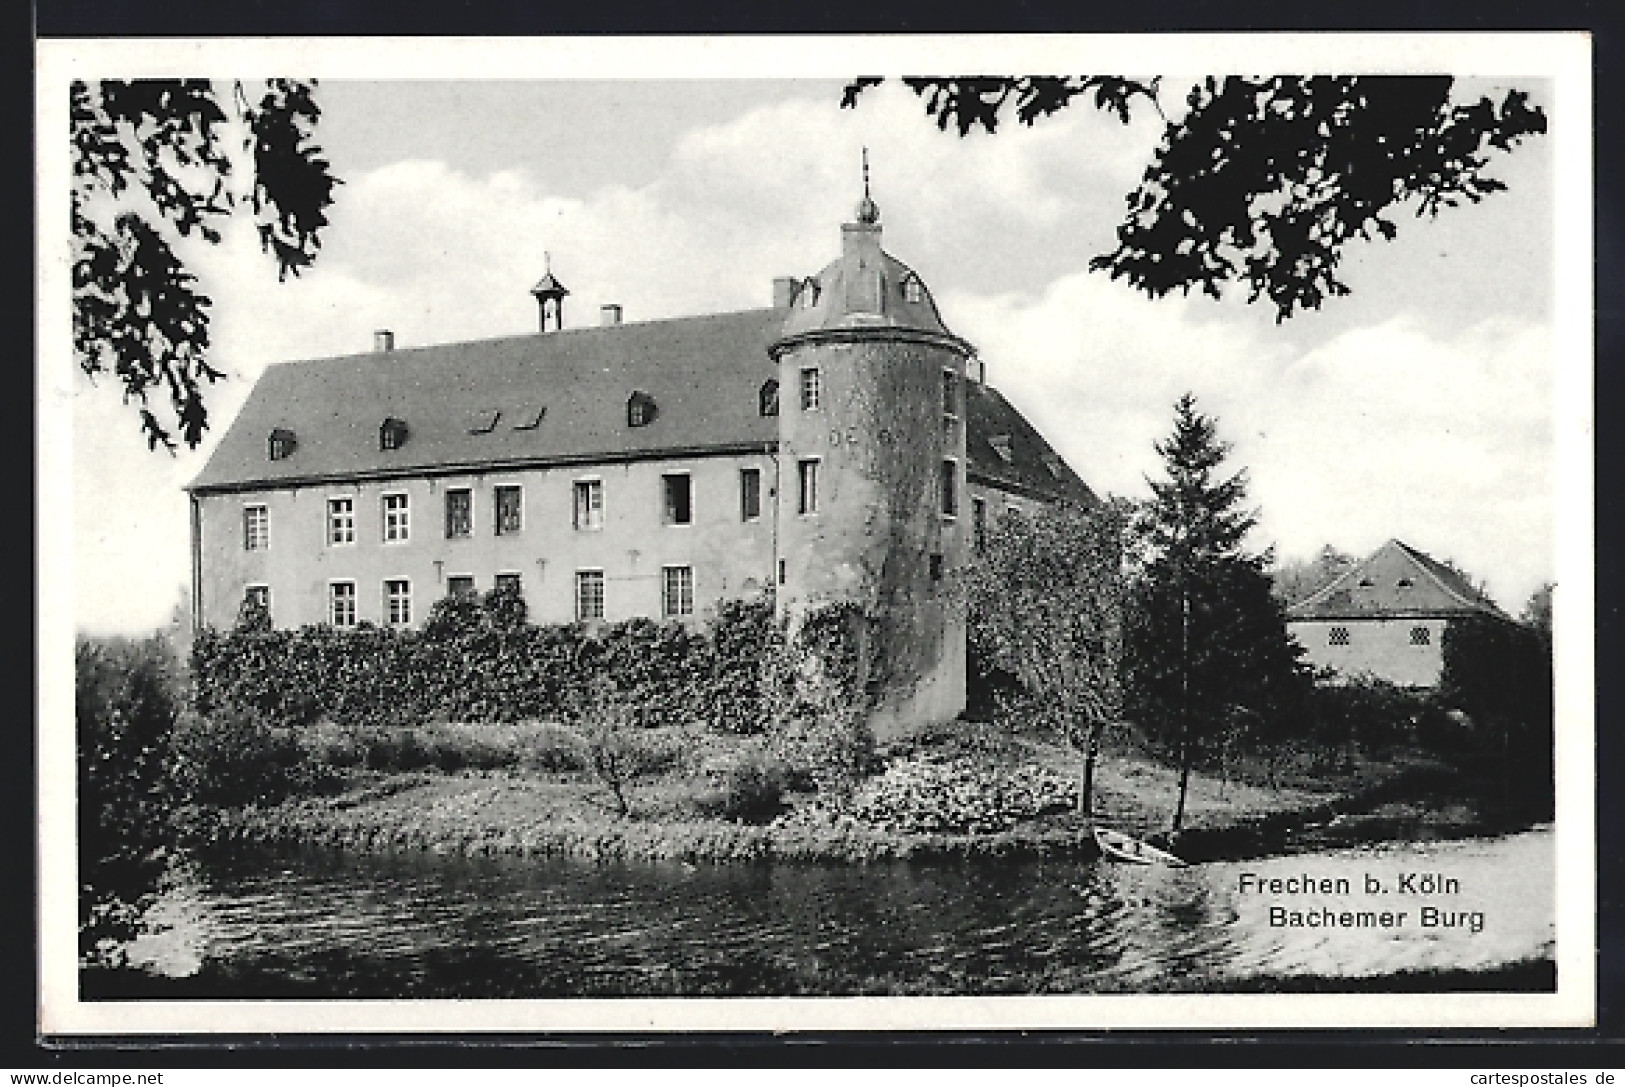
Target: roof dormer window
[
  {"x": 808, "y": 295},
  {"x": 281, "y": 444},
  {"x": 484, "y": 422},
  {"x": 640, "y": 409},
  {"x": 392, "y": 434},
  {"x": 767, "y": 397},
  {"x": 530, "y": 420},
  {"x": 913, "y": 289},
  {"x": 1404, "y": 583},
  {"x": 1001, "y": 446}
]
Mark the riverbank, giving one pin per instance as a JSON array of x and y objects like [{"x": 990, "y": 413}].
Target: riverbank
[{"x": 503, "y": 812}]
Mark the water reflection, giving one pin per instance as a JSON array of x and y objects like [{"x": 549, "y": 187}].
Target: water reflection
[{"x": 318, "y": 923}]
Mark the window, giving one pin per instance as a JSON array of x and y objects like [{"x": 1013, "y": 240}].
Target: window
[
  {"x": 978, "y": 515},
  {"x": 510, "y": 503},
  {"x": 392, "y": 434},
  {"x": 807, "y": 499},
  {"x": 397, "y": 602},
  {"x": 341, "y": 603},
  {"x": 678, "y": 598},
  {"x": 281, "y": 444},
  {"x": 811, "y": 393},
  {"x": 750, "y": 494},
  {"x": 767, "y": 397},
  {"x": 1421, "y": 636},
  {"x": 257, "y": 596},
  {"x": 256, "y": 528},
  {"x": 640, "y": 409},
  {"x": 950, "y": 393},
  {"x": 589, "y": 504},
  {"x": 1001, "y": 446},
  {"x": 509, "y": 584},
  {"x": 484, "y": 422},
  {"x": 1404, "y": 583},
  {"x": 460, "y": 586},
  {"x": 950, "y": 488},
  {"x": 782, "y": 571},
  {"x": 679, "y": 505},
  {"x": 459, "y": 513},
  {"x": 397, "y": 519},
  {"x": 531, "y": 419},
  {"x": 589, "y": 594},
  {"x": 1337, "y": 636},
  {"x": 340, "y": 521},
  {"x": 808, "y": 294},
  {"x": 936, "y": 567},
  {"x": 913, "y": 289}
]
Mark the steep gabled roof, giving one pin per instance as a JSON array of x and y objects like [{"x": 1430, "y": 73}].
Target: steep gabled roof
[
  {"x": 561, "y": 397},
  {"x": 1033, "y": 467},
  {"x": 1396, "y": 582},
  {"x": 703, "y": 374}
]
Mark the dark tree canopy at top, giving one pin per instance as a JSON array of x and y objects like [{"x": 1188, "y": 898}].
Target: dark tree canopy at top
[
  {"x": 150, "y": 167},
  {"x": 1263, "y": 181}
]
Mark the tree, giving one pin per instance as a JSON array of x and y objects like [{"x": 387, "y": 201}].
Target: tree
[
  {"x": 1263, "y": 181},
  {"x": 1295, "y": 581},
  {"x": 616, "y": 750},
  {"x": 152, "y": 169},
  {"x": 1537, "y": 611},
  {"x": 1206, "y": 646},
  {"x": 1045, "y": 603}
]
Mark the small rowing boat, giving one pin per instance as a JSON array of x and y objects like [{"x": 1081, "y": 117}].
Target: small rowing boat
[{"x": 1117, "y": 846}]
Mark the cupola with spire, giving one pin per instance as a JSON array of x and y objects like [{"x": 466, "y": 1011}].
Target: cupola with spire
[
  {"x": 865, "y": 287},
  {"x": 549, "y": 294}
]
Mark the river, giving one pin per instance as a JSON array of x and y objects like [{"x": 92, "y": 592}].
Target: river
[{"x": 317, "y": 923}]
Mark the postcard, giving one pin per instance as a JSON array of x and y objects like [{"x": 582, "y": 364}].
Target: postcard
[{"x": 791, "y": 534}]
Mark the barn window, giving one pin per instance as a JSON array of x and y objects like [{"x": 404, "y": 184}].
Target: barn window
[
  {"x": 281, "y": 444},
  {"x": 1421, "y": 636},
  {"x": 1337, "y": 636},
  {"x": 392, "y": 434},
  {"x": 640, "y": 409},
  {"x": 767, "y": 398}
]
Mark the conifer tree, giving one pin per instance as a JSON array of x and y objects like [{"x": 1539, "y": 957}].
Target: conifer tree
[{"x": 1208, "y": 652}]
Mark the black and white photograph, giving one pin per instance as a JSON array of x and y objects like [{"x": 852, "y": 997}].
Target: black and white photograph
[{"x": 714, "y": 533}]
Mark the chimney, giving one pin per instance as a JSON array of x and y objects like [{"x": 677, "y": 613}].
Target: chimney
[
  {"x": 784, "y": 291},
  {"x": 609, "y": 314},
  {"x": 383, "y": 340}
]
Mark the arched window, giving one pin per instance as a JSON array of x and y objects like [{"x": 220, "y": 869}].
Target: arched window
[
  {"x": 640, "y": 409},
  {"x": 281, "y": 445},
  {"x": 768, "y": 397},
  {"x": 913, "y": 289},
  {"x": 392, "y": 434},
  {"x": 808, "y": 295}
]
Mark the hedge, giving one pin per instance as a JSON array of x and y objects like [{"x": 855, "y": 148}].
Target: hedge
[{"x": 481, "y": 661}]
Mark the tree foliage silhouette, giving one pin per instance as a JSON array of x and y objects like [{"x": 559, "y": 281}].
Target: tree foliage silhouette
[
  {"x": 1263, "y": 181},
  {"x": 152, "y": 168}
]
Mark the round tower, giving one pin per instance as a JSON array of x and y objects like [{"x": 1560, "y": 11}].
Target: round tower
[{"x": 872, "y": 471}]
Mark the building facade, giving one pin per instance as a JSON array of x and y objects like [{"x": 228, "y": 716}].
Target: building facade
[
  {"x": 841, "y": 445},
  {"x": 1386, "y": 617}
]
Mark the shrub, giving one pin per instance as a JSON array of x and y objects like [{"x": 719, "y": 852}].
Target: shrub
[
  {"x": 232, "y": 758},
  {"x": 126, "y": 698},
  {"x": 747, "y": 785},
  {"x": 1367, "y": 712},
  {"x": 960, "y": 797}
]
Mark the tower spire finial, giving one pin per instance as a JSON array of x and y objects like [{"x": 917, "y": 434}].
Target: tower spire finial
[{"x": 868, "y": 210}]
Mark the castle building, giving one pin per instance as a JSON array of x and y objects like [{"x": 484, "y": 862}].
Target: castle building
[
  {"x": 1386, "y": 616},
  {"x": 841, "y": 445}
]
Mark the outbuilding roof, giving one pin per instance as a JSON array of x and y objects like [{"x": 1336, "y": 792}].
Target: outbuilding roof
[
  {"x": 560, "y": 397},
  {"x": 1396, "y": 582}
]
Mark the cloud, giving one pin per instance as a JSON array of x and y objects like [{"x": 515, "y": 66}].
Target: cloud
[{"x": 1445, "y": 441}]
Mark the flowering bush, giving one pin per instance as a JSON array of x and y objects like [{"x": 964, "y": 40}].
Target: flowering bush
[{"x": 960, "y": 797}]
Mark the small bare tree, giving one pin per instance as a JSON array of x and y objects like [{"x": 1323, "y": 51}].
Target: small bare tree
[{"x": 617, "y": 752}]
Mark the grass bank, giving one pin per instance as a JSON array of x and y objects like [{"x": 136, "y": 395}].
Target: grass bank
[{"x": 537, "y": 808}]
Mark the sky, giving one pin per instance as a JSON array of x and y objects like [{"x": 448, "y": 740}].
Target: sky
[{"x": 1419, "y": 407}]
